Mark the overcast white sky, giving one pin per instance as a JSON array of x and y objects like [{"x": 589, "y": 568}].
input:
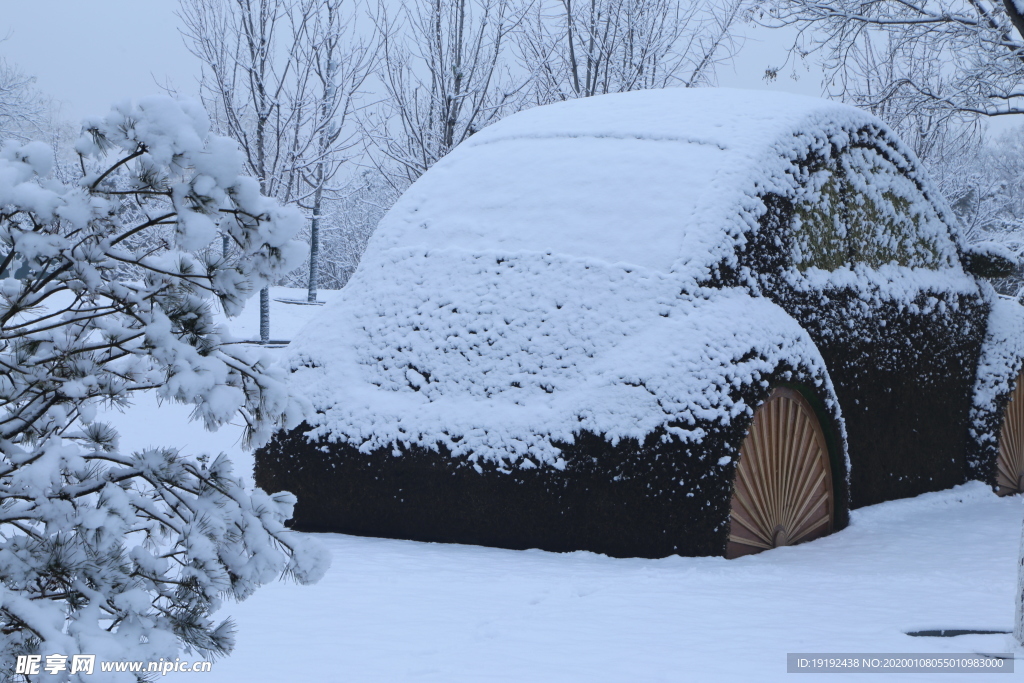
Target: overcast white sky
[{"x": 89, "y": 54}]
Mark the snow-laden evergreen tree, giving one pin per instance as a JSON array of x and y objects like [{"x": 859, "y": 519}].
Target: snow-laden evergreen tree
[{"x": 126, "y": 555}]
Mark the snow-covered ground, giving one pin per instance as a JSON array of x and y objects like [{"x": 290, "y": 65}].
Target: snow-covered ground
[{"x": 399, "y": 610}]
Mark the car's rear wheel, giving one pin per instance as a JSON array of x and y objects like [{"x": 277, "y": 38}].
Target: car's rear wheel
[
  {"x": 782, "y": 494},
  {"x": 1010, "y": 464}
]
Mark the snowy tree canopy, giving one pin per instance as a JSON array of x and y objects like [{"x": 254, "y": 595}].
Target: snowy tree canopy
[{"x": 126, "y": 555}]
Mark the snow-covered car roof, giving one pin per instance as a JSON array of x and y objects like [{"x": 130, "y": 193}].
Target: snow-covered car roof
[{"x": 543, "y": 278}]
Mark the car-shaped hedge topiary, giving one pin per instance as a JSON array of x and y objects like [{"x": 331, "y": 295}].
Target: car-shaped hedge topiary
[{"x": 692, "y": 321}]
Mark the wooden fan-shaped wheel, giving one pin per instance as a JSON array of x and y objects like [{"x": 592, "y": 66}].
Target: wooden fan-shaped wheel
[
  {"x": 782, "y": 494},
  {"x": 1010, "y": 465}
]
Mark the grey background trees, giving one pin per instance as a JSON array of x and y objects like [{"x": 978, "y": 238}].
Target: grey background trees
[
  {"x": 281, "y": 77},
  {"x": 592, "y": 47},
  {"x": 22, "y": 108},
  {"x": 249, "y": 50},
  {"x": 339, "y": 63},
  {"x": 965, "y": 57},
  {"x": 445, "y": 74}
]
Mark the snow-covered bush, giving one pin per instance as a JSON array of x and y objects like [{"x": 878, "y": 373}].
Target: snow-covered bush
[{"x": 127, "y": 555}]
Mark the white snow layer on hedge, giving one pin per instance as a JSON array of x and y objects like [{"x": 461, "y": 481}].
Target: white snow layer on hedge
[
  {"x": 1002, "y": 356},
  {"x": 544, "y": 278},
  {"x": 494, "y": 354},
  {"x": 667, "y": 179}
]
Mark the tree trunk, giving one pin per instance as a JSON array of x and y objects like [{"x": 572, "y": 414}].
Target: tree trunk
[
  {"x": 314, "y": 250},
  {"x": 265, "y": 315}
]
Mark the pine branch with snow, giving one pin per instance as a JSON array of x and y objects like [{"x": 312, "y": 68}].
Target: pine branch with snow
[{"x": 127, "y": 555}]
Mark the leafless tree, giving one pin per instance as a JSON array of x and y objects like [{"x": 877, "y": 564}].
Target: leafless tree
[
  {"x": 912, "y": 82},
  {"x": 579, "y": 49},
  {"x": 23, "y": 109},
  {"x": 922, "y": 73},
  {"x": 282, "y": 78},
  {"x": 958, "y": 56},
  {"x": 249, "y": 85},
  {"x": 339, "y": 64},
  {"x": 444, "y": 76},
  {"x": 348, "y": 220}
]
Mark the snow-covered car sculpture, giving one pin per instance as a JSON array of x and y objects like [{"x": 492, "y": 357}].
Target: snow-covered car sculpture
[{"x": 699, "y": 322}]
